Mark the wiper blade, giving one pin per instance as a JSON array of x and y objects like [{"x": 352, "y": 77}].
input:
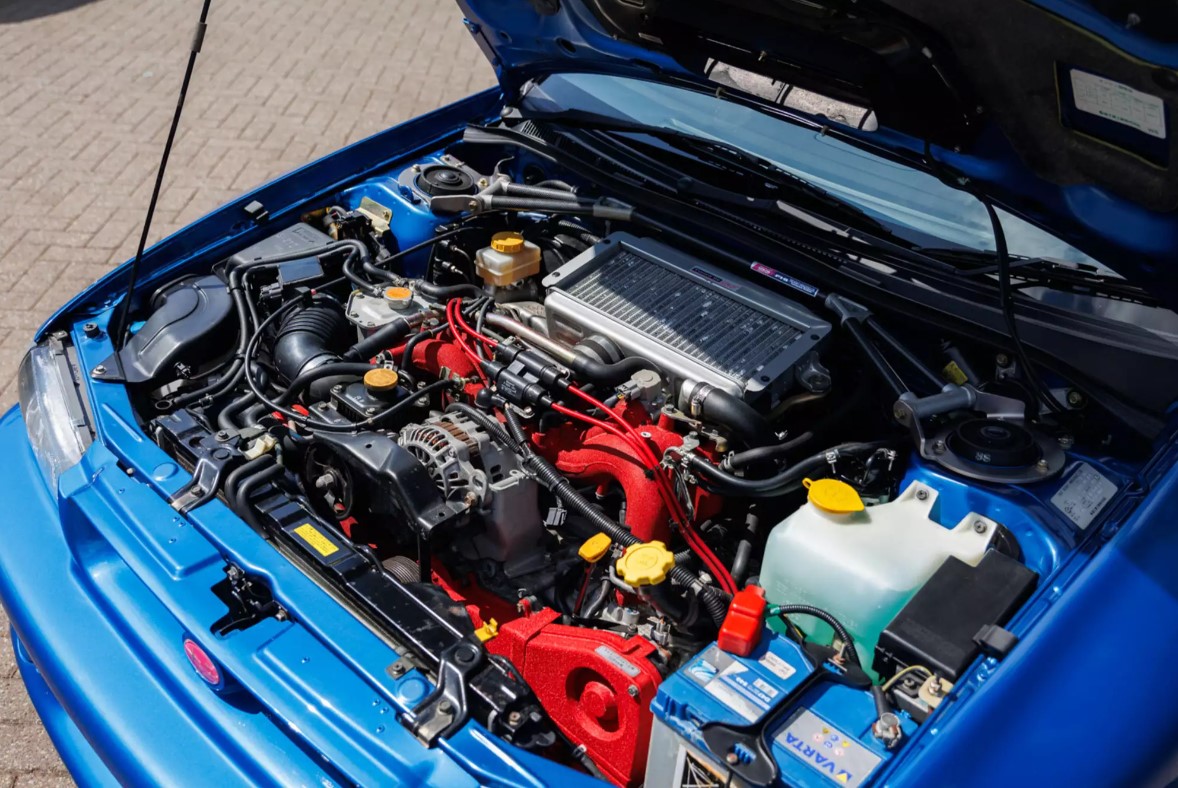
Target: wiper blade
[
  {"x": 1041, "y": 272},
  {"x": 811, "y": 197}
]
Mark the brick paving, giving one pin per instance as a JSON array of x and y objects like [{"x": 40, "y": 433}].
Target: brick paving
[{"x": 87, "y": 90}]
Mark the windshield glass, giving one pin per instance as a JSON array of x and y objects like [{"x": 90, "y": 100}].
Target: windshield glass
[{"x": 913, "y": 204}]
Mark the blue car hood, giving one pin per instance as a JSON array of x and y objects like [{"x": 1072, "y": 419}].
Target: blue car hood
[{"x": 1061, "y": 111}]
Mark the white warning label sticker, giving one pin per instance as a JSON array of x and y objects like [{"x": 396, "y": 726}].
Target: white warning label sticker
[
  {"x": 1083, "y": 495},
  {"x": 1119, "y": 103}
]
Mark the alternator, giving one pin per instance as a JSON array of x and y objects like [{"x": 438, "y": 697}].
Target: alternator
[{"x": 468, "y": 466}]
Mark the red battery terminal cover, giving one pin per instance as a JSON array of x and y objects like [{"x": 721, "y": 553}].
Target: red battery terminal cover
[{"x": 741, "y": 631}]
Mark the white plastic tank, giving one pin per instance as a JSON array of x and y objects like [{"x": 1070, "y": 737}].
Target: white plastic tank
[
  {"x": 508, "y": 259},
  {"x": 863, "y": 566}
]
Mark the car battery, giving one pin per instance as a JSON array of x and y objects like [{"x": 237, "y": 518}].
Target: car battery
[{"x": 824, "y": 738}]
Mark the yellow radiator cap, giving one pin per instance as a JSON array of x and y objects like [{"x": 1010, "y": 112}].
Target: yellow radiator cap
[
  {"x": 595, "y": 548},
  {"x": 398, "y": 297},
  {"x": 507, "y": 242},
  {"x": 381, "y": 379},
  {"x": 834, "y": 496},
  {"x": 645, "y": 564}
]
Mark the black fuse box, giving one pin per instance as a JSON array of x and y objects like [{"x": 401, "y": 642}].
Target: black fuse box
[{"x": 936, "y": 628}]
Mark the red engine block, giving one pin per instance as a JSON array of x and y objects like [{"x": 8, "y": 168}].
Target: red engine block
[{"x": 597, "y": 687}]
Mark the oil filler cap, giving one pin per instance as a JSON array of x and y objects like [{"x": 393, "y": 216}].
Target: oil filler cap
[
  {"x": 834, "y": 496},
  {"x": 507, "y": 242},
  {"x": 595, "y": 548},
  {"x": 380, "y": 380},
  {"x": 645, "y": 564}
]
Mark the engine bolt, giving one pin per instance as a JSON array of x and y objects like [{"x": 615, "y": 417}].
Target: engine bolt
[
  {"x": 222, "y": 435},
  {"x": 1002, "y": 360},
  {"x": 1075, "y": 398},
  {"x": 369, "y": 411},
  {"x": 91, "y": 330},
  {"x": 980, "y": 527},
  {"x": 922, "y": 494},
  {"x": 632, "y": 690},
  {"x": 732, "y": 759},
  {"x": 514, "y": 718},
  {"x": 1041, "y": 465},
  {"x": 397, "y": 669},
  {"x": 1066, "y": 441},
  {"x": 939, "y": 447},
  {"x": 446, "y": 707},
  {"x": 98, "y": 371}
]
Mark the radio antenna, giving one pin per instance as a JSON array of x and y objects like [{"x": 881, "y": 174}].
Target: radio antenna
[{"x": 119, "y": 321}]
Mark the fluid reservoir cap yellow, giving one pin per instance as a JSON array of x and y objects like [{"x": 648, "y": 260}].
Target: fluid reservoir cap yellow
[
  {"x": 398, "y": 297},
  {"x": 834, "y": 496},
  {"x": 645, "y": 564},
  {"x": 595, "y": 548},
  {"x": 487, "y": 630},
  {"x": 380, "y": 379},
  {"x": 507, "y": 242}
]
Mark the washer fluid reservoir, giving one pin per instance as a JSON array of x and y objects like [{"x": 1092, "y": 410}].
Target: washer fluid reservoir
[{"x": 863, "y": 564}]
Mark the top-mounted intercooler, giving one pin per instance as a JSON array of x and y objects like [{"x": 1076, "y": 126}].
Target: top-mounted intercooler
[{"x": 693, "y": 320}]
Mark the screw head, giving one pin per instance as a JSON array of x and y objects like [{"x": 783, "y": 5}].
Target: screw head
[
  {"x": 514, "y": 718},
  {"x": 1041, "y": 465},
  {"x": 98, "y": 371},
  {"x": 980, "y": 526},
  {"x": 632, "y": 691},
  {"x": 939, "y": 447},
  {"x": 732, "y": 759},
  {"x": 446, "y": 707},
  {"x": 1075, "y": 398},
  {"x": 922, "y": 494},
  {"x": 91, "y": 330},
  {"x": 1066, "y": 442},
  {"x": 1002, "y": 360},
  {"x": 397, "y": 669}
]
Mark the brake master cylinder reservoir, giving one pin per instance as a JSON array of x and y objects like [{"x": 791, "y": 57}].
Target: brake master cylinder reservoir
[
  {"x": 862, "y": 564},
  {"x": 508, "y": 259}
]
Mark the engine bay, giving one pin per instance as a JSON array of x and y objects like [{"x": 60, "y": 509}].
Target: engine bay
[{"x": 571, "y": 469}]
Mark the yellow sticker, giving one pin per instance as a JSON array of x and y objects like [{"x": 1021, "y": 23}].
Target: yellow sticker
[{"x": 320, "y": 543}]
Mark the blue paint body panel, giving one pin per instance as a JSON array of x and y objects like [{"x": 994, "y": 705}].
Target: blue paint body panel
[{"x": 102, "y": 580}]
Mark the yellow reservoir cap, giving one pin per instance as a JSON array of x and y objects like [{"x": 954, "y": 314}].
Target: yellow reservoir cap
[
  {"x": 487, "y": 630},
  {"x": 507, "y": 242},
  {"x": 381, "y": 379},
  {"x": 645, "y": 564},
  {"x": 834, "y": 496},
  {"x": 595, "y": 548},
  {"x": 398, "y": 296}
]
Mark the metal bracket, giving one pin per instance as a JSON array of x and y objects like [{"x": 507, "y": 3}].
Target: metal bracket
[
  {"x": 444, "y": 710},
  {"x": 249, "y": 601},
  {"x": 211, "y": 458}
]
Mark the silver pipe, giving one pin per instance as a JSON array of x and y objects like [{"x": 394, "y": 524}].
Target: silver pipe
[{"x": 558, "y": 350}]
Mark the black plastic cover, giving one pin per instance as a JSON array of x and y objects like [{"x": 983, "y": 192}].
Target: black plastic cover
[
  {"x": 192, "y": 316},
  {"x": 936, "y": 628}
]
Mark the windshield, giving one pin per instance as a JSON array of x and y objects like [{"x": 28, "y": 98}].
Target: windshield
[{"x": 913, "y": 204}]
